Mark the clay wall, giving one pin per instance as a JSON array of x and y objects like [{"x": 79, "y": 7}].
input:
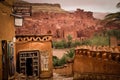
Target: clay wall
[
  {"x": 28, "y": 43},
  {"x": 96, "y": 62},
  {"x": 65, "y": 70},
  {"x": 7, "y": 30}
]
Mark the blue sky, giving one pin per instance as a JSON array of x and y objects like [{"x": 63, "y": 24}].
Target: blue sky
[{"x": 87, "y": 5}]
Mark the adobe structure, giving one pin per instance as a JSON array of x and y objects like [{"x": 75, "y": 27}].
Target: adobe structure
[
  {"x": 96, "y": 62},
  {"x": 33, "y": 51},
  {"x": 51, "y": 19},
  {"x": 34, "y": 55},
  {"x": 7, "y": 32}
]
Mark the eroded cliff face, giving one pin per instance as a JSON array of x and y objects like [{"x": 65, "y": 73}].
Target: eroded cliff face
[{"x": 59, "y": 23}]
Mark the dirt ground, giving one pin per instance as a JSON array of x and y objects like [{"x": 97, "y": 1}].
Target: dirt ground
[
  {"x": 23, "y": 77},
  {"x": 59, "y": 52}
]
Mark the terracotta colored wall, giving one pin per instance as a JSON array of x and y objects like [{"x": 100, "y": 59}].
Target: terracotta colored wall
[
  {"x": 65, "y": 70},
  {"x": 96, "y": 60},
  {"x": 93, "y": 65},
  {"x": 41, "y": 46},
  {"x": 0, "y": 63},
  {"x": 7, "y": 30}
]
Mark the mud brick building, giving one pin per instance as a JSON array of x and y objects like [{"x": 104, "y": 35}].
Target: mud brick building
[
  {"x": 7, "y": 33},
  {"x": 33, "y": 39},
  {"x": 51, "y": 19},
  {"x": 34, "y": 55}
]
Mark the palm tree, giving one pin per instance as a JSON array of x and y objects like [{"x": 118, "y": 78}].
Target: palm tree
[
  {"x": 118, "y": 5},
  {"x": 113, "y": 18}
]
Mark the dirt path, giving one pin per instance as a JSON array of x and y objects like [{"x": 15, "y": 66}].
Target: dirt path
[
  {"x": 58, "y": 77},
  {"x": 59, "y": 52}
]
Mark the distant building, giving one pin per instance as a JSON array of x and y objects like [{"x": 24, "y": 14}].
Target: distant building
[{"x": 51, "y": 19}]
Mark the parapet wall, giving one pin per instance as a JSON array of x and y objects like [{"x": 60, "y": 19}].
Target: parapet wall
[{"x": 102, "y": 63}]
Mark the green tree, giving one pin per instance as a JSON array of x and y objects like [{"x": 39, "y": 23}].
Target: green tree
[
  {"x": 69, "y": 38},
  {"x": 59, "y": 44},
  {"x": 118, "y": 5},
  {"x": 76, "y": 43},
  {"x": 67, "y": 56}
]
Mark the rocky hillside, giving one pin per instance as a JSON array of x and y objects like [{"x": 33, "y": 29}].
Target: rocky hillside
[{"x": 44, "y": 7}]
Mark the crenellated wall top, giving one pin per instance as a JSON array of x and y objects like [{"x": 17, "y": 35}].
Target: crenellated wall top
[{"x": 99, "y": 52}]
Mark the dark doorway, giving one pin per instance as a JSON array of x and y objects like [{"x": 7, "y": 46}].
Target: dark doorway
[
  {"x": 29, "y": 67},
  {"x": 4, "y": 60},
  {"x": 29, "y": 63}
]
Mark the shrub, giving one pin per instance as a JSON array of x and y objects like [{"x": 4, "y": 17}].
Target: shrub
[
  {"x": 99, "y": 40},
  {"x": 70, "y": 53},
  {"x": 86, "y": 42},
  {"x": 59, "y": 44},
  {"x": 55, "y": 61},
  {"x": 64, "y": 59},
  {"x": 63, "y": 44},
  {"x": 59, "y": 62},
  {"x": 69, "y": 41},
  {"x": 76, "y": 43}
]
